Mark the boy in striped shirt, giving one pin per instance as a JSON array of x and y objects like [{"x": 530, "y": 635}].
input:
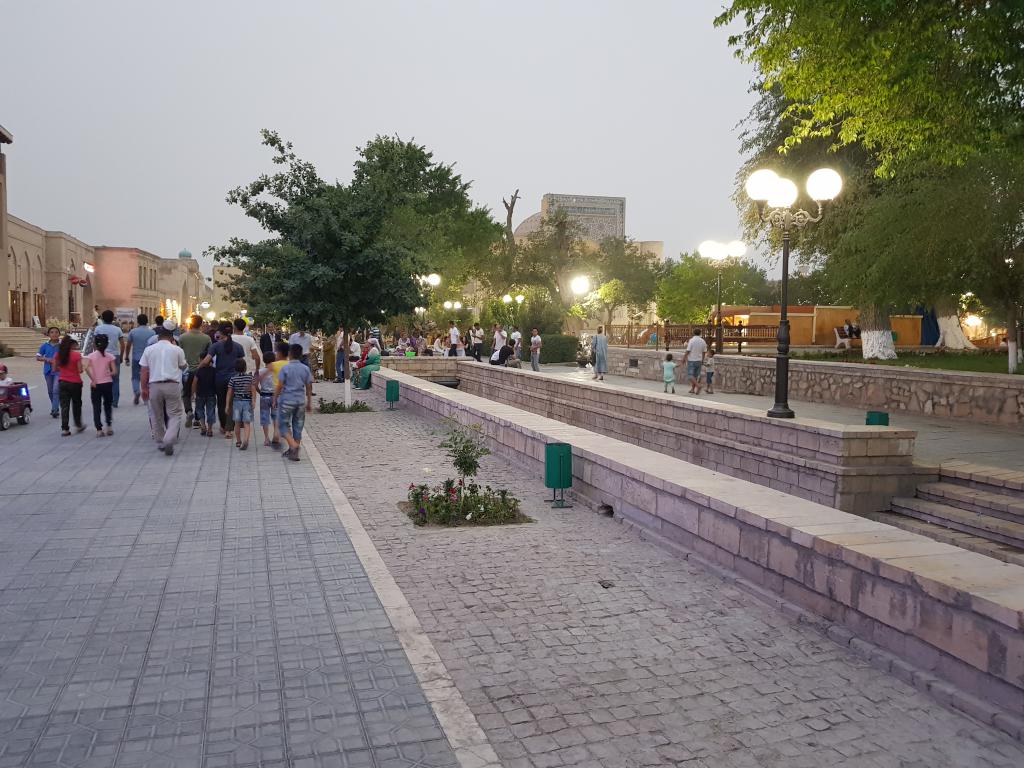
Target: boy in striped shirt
[{"x": 241, "y": 390}]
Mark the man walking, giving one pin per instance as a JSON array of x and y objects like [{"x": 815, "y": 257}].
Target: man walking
[
  {"x": 453, "y": 339},
  {"x": 138, "y": 339},
  {"x": 696, "y": 349},
  {"x": 115, "y": 338},
  {"x": 500, "y": 337},
  {"x": 247, "y": 343},
  {"x": 195, "y": 344},
  {"x": 478, "y": 341},
  {"x": 535, "y": 345},
  {"x": 305, "y": 341},
  {"x": 269, "y": 339},
  {"x": 162, "y": 364}
]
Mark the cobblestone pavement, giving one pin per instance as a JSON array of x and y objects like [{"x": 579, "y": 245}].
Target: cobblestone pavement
[
  {"x": 667, "y": 666},
  {"x": 938, "y": 439},
  {"x": 201, "y": 610}
]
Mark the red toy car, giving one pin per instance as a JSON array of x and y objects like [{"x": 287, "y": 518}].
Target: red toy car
[{"x": 15, "y": 403}]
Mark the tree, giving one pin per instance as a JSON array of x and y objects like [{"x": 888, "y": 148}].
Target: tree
[
  {"x": 689, "y": 290},
  {"x": 606, "y": 299},
  {"x": 551, "y": 257},
  {"x": 933, "y": 79},
  {"x": 627, "y": 276}
]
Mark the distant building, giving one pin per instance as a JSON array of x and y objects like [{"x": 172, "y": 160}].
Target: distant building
[{"x": 597, "y": 217}]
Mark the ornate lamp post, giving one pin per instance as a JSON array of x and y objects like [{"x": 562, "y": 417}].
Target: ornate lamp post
[
  {"x": 718, "y": 253},
  {"x": 775, "y": 196}
]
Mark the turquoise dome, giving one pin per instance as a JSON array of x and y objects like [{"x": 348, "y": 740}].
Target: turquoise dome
[{"x": 184, "y": 253}]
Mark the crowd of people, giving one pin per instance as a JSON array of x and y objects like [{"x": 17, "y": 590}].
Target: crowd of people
[
  {"x": 205, "y": 377},
  {"x": 506, "y": 348}
]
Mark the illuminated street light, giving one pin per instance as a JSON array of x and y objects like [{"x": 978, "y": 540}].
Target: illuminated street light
[
  {"x": 775, "y": 196},
  {"x": 520, "y": 299},
  {"x": 433, "y": 279},
  {"x": 457, "y": 305},
  {"x": 717, "y": 253},
  {"x": 211, "y": 315},
  {"x": 447, "y": 305},
  {"x": 507, "y": 299},
  {"x": 580, "y": 285}
]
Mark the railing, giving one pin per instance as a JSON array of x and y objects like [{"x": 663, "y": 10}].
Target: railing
[{"x": 668, "y": 335}]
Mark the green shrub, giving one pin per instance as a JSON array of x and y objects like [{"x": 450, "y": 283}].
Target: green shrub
[
  {"x": 555, "y": 348},
  {"x": 455, "y": 503},
  {"x": 333, "y": 406},
  {"x": 465, "y": 446},
  {"x": 5, "y": 352}
]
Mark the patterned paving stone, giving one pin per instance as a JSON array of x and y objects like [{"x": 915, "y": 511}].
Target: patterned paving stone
[
  {"x": 206, "y": 610},
  {"x": 669, "y": 666}
]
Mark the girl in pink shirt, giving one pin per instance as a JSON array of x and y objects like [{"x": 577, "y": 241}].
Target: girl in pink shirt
[{"x": 101, "y": 367}]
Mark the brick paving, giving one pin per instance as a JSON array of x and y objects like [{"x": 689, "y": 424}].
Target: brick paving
[
  {"x": 201, "y": 610},
  {"x": 669, "y": 665}
]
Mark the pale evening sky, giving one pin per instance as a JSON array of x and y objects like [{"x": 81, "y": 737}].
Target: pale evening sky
[{"x": 132, "y": 120}]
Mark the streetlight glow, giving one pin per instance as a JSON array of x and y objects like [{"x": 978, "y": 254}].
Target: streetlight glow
[
  {"x": 506, "y": 299},
  {"x": 433, "y": 279},
  {"x": 761, "y": 184},
  {"x": 783, "y": 194},
  {"x": 735, "y": 249},
  {"x": 520, "y": 299},
  {"x": 457, "y": 305},
  {"x": 580, "y": 285},
  {"x": 711, "y": 249},
  {"x": 211, "y": 315},
  {"x": 824, "y": 184},
  {"x": 447, "y": 305}
]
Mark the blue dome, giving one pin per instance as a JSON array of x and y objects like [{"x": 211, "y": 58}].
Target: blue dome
[{"x": 184, "y": 253}]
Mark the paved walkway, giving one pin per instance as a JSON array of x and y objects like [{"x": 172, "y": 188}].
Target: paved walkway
[
  {"x": 202, "y": 610},
  {"x": 938, "y": 440},
  {"x": 667, "y": 666}
]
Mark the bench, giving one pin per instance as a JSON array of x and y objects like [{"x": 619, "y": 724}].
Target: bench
[{"x": 843, "y": 339}]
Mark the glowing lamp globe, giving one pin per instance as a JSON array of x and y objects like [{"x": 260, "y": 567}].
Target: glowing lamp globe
[
  {"x": 824, "y": 184},
  {"x": 506, "y": 299},
  {"x": 433, "y": 280},
  {"x": 580, "y": 285},
  {"x": 711, "y": 249},
  {"x": 761, "y": 184},
  {"x": 520, "y": 299},
  {"x": 457, "y": 305},
  {"x": 783, "y": 195},
  {"x": 735, "y": 248},
  {"x": 447, "y": 305}
]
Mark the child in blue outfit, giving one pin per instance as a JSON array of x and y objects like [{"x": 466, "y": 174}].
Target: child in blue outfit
[{"x": 668, "y": 373}]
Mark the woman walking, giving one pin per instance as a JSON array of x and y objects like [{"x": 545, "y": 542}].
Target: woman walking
[
  {"x": 69, "y": 377},
  {"x": 599, "y": 346},
  {"x": 101, "y": 367}
]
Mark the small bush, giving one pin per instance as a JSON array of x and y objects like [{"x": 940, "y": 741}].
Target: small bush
[
  {"x": 465, "y": 446},
  {"x": 5, "y": 352},
  {"x": 555, "y": 348},
  {"x": 333, "y": 406},
  {"x": 455, "y": 503}
]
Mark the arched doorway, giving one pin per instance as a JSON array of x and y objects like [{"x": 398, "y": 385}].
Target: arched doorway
[{"x": 39, "y": 290}]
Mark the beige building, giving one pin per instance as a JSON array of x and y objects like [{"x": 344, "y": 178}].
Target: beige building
[{"x": 50, "y": 275}]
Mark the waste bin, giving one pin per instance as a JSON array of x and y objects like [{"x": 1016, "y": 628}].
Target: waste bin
[
  {"x": 558, "y": 471},
  {"x": 391, "y": 393},
  {"x": 877, "y": 419}
]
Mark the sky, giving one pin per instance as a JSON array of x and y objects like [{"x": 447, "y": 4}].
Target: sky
[{"x": 132, "y": 120}]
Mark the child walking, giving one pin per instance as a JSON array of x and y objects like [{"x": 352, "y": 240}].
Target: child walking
[
  {"x": 709, "y": 371},
  {"x": 268, "y": 414},
  {"x": 68, "y": 361},
  {"x": 668, "y": 373},
  {"x": 239, "y": 403},
  {"x": 204, "y": 393},
  {"x": 101, "y": 366}
]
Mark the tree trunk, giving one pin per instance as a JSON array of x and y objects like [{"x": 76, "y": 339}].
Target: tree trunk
[
  {"x": 876, "y": 334},
  {"x": 951, "y": 333},
  {"x": 1012, "y": 339}
]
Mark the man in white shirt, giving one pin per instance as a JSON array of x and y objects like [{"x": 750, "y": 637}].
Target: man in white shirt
[
  {"x": 162, "y": 364},
  {"x": 517, "y": 341},
  {"x": 499, "y": 337},
  {"x": 304, "y": 340},
  {"x": 696, "y": 349},
  {"x": 478, "y": 341},
  {"x": 453, "y": 339},
  {"x": 535, "y": 344},
  {"x": 247, "y": 343}
]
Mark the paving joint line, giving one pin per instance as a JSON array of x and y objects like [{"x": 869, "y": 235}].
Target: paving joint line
[{"x": 467, "y": 739}]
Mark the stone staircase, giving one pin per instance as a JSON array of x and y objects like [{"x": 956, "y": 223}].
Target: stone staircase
[
  {"x": 24, "y": 342},
  {"x": 971, "y": 506}
]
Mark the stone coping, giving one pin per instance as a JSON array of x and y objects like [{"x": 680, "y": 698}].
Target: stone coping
[{"x": 957, "y": 613}]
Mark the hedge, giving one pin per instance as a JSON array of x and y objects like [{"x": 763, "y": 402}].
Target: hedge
[{"x": 556, "y": 348}]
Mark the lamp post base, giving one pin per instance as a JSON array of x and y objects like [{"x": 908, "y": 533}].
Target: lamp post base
[{"x": 781, "y": 411}]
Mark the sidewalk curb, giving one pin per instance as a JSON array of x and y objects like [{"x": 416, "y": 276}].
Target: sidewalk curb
[{"x": 467, "y": 738}]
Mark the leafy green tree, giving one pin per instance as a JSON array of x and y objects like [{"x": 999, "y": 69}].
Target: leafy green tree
[
  {"x": 688, "y": 293},
  {"x": 627, "y": 276}
]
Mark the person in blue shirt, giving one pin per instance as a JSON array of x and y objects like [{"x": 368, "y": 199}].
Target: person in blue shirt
[
  {"x": 115, "y": 337},
  {"x": 293, "y": 399},
  {"x": 138, "y": 337},
  {"x": 45, "y": 355}
]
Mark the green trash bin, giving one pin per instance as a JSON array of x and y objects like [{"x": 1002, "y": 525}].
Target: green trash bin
[
  {"x": 877, "y": 419},
  {"x": 558, "y": 471},
  {"x": 391, "y": 394}
]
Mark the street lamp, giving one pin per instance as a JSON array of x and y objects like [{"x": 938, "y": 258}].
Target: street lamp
[
  {"x": 718, "y": 253},
  {"x": 506, "y": 299},
  {"x": 520, "y": 299},
  {"x": 433, "y": 279},
  {"x": 457, "y": 305},
  {"x": 447, "y": 305},
  {"x": 580, "y": 285},
  {"x": 775, "y": 196}
]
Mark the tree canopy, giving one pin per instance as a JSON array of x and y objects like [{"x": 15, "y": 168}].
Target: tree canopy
[{"x": 688, "y": 292}]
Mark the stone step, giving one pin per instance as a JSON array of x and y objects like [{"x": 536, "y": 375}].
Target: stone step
[
  {"x": 991, "y": 479},
  {"x": 23, "y": 342},
  {"x": 971, "y": 499},
  {"x": 993, "y": 549},
  {"x": 985, "y": 526}
]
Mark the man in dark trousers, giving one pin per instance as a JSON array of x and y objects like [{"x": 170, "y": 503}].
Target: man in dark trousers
[{"x": 269, "y": 339}]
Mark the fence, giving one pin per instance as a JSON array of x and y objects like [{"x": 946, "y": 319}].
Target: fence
[{"x": 667, "y": 335}]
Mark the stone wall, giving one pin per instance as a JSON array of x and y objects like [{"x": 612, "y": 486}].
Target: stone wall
[
  {"x": 855, "y": 468},
  {"x": 958, "y": 615},
  {"x": 990, "y": 398}
]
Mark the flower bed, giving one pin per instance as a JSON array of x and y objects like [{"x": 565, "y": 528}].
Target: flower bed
[{"x": 456, "y": 502}]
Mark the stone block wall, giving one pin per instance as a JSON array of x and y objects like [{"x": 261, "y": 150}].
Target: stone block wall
[
  {"x": 854, "y": 468},
  {"x": 990, "y": 398},
  {"x": 956, "y": 614}
]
